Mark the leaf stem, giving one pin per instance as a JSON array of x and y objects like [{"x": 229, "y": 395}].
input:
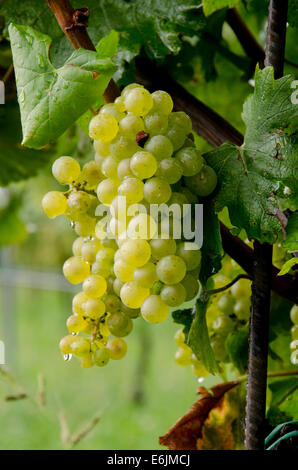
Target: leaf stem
[{"x": 227, "y": 286}]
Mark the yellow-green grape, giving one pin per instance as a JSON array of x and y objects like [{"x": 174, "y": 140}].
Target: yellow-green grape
[
  {"x": 130, "y": 125},
  {"x": 241, "y": 289},
  {"x": 122, "y": 147},
  {"x": 105, "y": 257},
  {"x": 66, "y": 170},
  {"x": 183, "y": 356},
  {"x": 181, "y": 119},
  {"x": 179, "y": 338},
  {"x": 294, "y": 314},
  {"x": 135, "y": 252},
  {"x": 157, "y": 191},
  {"x": 89, "y": 250},
  {"x": 85, "y": 227},
  {"x": 226, "y": 304},
  {"x": 138, "y": 101},
  {"x": 191, "y": 160},
  {"x": 130, "y": 312},
  {"x": 89, "y": 327},
  {"x": 223, "y": 325},
  {"x": 77, "y": 303},
  {"x": 75, "y": 269},
  {"x": 143, "y": 164},
  {"x": 204, "y": 182},
  {"x": 124, "y": 170},
  {"x": 198, "y": 368},
  {"x": 94, "y": 308},
  {"x": 191, "y": 286},
  {"x": 117, "y": 348},
  {"x": 98, "y": 268},
  {"x": 219, "y": 349},
  {"x": 112, "y": 303},
  {"x": 101, "y": 148},
  {"x": 112, "y": 109},
  {"x": 65, "y": 344},
  {"x": 54, "y": 203},
  {"x": 173, "y": 295},
  {"x": 154, "y": 310},
  {"x": 78, "y": 203},
  {"x": 81, "y": 346},
  {"x": 170, "y": 170},
  {"x": 294, "y": 332},
  {"x": 171, "y": 269},
  {"x": 162, "y": 101},
  {"x": 94, "y": 286},
  {"x": 241, "y": 309},
  {"x": 86, "y": 361},
  {"x": 107, "y": 190},
  {"x": 103, "y": 127},
  {"x": 294, "y": 357},
  {"x": 160, "y": 146},
  {"x": 77, "y": 246},
  {"x": 132, "y": 189},
  {"x": 123, "y": 271},
  {"x": 156, "y": 123},
  {"x": 294, "y": 345},
  {"x": 190, "y": 254},
  {"x": 109, "y": 243},
  {"x": 116, "y": 227},
  {"x": 176, "y": 134},
  {"x": 133, "y": 295},
  {"x": 117, "y": 284},
  {"x": 162, "y": 247},
  {"x": 109, "y": 167},
  {"x": 119, "y": 103},
  {"x": 101, "y": 357},
  {"x": 91, "y": 175},
  {"x": 119, "y": 324},
  {"x": 75, "y": 324},
  {"x": 128, "y": 88},
  {"x": 146, "y": 275},
  {"x": 191, "y": 197},
  {"x": 142, "y": 226}
]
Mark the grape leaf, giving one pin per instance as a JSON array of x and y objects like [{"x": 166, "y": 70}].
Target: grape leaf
[
  {"x": 210, "y": 6},
  {"x": 158, "y": 25},
  {"x": 183, "y": 435},
  {"x": 291, "y": 242},
  {"x": 252, "y": 176},
  {"x": 198, "y": 337},
  {"x": 17, "y": 162},
  {"x": 44, "y": 91},
  {"x": 281, "y": 389},
  {"x": 237, "y": 347}
]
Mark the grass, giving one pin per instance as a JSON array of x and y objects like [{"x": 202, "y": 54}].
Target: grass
[{"x": 124, "y": 424}]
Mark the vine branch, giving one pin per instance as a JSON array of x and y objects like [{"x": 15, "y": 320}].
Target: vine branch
[
  {"x": 262, "y": 268},
  {"x": 230, "y": 284}
]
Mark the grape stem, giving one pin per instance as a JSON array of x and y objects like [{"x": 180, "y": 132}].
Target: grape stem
[
  {"x": 227, "y": 286},
  {"x": 73, "y": 24},
  {"x": 262, "y": 268},
  {"x": 271, "y": 374}
]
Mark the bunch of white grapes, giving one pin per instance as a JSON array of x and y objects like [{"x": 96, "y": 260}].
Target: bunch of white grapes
[
  {"x": 228, "y": 312},
  {"x": 128, "y": 264}
]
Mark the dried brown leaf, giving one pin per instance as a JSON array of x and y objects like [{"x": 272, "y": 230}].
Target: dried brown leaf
[{"x": 184, "y": 434}]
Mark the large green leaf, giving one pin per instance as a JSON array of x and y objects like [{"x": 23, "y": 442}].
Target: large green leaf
[
  {"x": 155, "y": 24},
  {"x": 17, "y": 162},
  {"x": 52, "y": 99},
  {"x": 237, "y": 348},
  {"x": 252, "y": 176}
]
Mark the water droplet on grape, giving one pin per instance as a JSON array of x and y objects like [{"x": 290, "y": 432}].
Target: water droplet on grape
[{"x": 67, "y": 357}]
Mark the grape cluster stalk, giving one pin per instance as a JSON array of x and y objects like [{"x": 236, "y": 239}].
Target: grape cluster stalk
[{"x": 130, "y": 263}]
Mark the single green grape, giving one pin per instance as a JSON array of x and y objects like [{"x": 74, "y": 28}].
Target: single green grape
[
  {"x": 156, "y": 123},
  {"x": 75, "y": 269},
  {"x": 162, "y": 102},
  {"x": 173, "y": 295},
  {"x": 162, "y": 247},
  {"x": 154, "y": 310},
  {"x": 157, "y": 191},
  {"x": 171, "y": 269},
  {"x": 133, "y": 295},
  {"x": 170, "y": 170},
  {"x": 191, "y": 161},
  {"x": 101, "y": 357},
  {"x": 204, "y": 182},
  {"x": 103, "y": 127},
  {"x": 143, "y": 164},
  {"x": 54, "y": 203},
  {"x": 160, "y": 146},
  {"x": 117, "y": 348},
  {"x": 66, "y": 170},
  {"x": 294, "y": 314},
  {"x": 95, "y": 286},
  {"x": 146, "y": 275}
]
